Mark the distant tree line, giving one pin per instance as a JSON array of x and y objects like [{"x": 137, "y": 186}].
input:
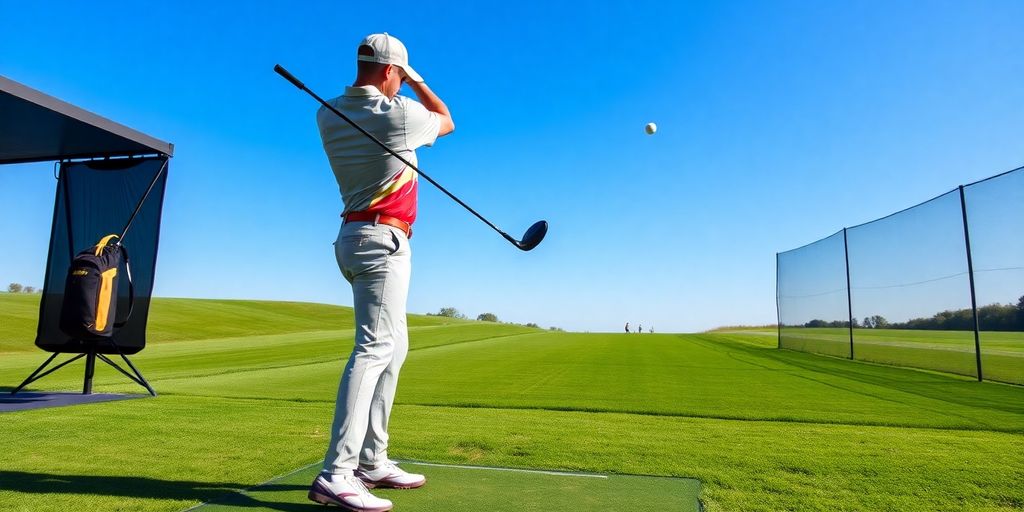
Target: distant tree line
[
  {"x": 18, "y": 288},
  {"x": 450, "y": 312},
  {"x": 994, "y": 317},
  {"x": 835, "y": 323},
  {"x": 741, "y": 326}
]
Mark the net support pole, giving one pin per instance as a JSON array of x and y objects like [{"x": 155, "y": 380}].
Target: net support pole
[
  {"x": 970, "y": 275},
  {"x": 849, "y": 295},
  {"x": 778, "y": 306}
]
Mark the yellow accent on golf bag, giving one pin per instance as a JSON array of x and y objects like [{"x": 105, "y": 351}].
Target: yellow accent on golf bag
[{"x": 90, "y": 301}]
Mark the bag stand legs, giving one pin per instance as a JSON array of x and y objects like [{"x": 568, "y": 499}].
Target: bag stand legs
[{"x": 90, "y": 370}]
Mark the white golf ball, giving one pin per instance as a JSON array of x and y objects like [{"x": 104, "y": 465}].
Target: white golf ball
[{"x": 651, "y": 128}]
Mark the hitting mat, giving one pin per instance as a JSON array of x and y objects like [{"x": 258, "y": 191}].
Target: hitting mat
[
  {"x": 453, "y": 488},
  {"x": 26, "y": 400}
]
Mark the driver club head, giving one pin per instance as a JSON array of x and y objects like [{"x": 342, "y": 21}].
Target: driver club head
[{"x": 533, "y": 236}]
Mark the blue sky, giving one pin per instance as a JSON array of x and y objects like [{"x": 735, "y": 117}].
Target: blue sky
[{"x": 779, "y": 123}]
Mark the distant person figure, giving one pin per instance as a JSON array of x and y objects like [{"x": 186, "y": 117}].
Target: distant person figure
[
  {"x": 651, "y": 330},
  {"x": 640, "y": 329},
  {"x": 627, "y": 327}
]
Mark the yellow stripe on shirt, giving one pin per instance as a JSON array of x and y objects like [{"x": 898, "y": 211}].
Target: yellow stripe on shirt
[{"x": 405, "y": 177}]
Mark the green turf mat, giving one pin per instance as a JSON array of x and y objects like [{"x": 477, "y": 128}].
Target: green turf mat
[{"x": 455, "y": 488}]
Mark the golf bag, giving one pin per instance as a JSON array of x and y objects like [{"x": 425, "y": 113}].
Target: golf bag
[{"x": 89, "y": 310}]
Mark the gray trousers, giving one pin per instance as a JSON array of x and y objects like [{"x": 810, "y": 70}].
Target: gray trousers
[{"x": 376, "y": 260}]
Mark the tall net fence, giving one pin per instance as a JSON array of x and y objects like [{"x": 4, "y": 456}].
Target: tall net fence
[
  {"x": 813, "y": 312},
  {"x": 995, "y": 214},
  {"x": 938, "y": 286}
]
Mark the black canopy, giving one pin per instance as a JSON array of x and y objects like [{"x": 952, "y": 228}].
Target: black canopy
[
  {"x": 35, "y": 127},
  {"x": 97, "y": 194}
]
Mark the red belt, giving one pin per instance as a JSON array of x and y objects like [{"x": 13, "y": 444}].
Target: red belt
[{"x": 377, "y": 218}]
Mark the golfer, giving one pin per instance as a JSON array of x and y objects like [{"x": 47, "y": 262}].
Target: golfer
[{"x": 373, "y": 253}]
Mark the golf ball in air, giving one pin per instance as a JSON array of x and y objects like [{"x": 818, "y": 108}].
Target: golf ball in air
[{"x": 651, "y": 128}]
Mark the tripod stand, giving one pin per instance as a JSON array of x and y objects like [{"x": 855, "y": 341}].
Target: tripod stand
[{"x": 90, "y": 369}]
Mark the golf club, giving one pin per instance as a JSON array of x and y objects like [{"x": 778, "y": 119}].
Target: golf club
[{"x": 533, "y": 235}]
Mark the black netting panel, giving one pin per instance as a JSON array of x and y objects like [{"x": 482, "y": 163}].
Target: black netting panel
[
  {"x": 813, "y": 310},
  {"x": 95, "y": 199},
  {"x": 995, "y": 214},
  {"x": 910, "y": 289}
]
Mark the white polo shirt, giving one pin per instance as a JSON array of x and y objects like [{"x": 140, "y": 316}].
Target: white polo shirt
[{"x": 369, "y": 178}]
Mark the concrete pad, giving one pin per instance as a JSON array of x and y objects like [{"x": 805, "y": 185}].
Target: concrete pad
[{"x": 32, "y": 400}]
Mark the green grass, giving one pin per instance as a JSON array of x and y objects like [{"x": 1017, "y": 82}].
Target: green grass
[
  {"x": 761, "y": 428},
  {"x": 189, "y": 319},
  {"x": 1002, "y": 353},
  {"x": 998, "y": 342}
]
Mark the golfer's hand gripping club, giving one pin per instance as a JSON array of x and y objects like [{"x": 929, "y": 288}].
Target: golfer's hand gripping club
[{"x": 533, "y": 235}]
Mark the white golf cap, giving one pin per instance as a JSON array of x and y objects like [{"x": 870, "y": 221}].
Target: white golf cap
[{"x": 388, "y": 49}]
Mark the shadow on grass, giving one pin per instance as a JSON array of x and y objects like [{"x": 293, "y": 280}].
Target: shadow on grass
[{"x": 220, "y": 493}]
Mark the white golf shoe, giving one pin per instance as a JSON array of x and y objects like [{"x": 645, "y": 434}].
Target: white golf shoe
[
  {"x": 389, "y": 475},
  {"x": 347, "y": 492}
]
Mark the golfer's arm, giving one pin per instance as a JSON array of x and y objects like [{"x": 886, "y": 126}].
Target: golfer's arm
[{"x": 435, "y": 105}]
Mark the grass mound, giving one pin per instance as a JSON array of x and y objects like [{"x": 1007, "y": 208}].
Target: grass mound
[{"x": 191, "y": 319}]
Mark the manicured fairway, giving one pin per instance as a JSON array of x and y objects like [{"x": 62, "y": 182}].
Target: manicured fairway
[
  {"x": 492, "y": 489},
  {"x": 1012, "y": 342},
  {"x": 1002, "y": 353},
  {"x": 760, "y": 428}
]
